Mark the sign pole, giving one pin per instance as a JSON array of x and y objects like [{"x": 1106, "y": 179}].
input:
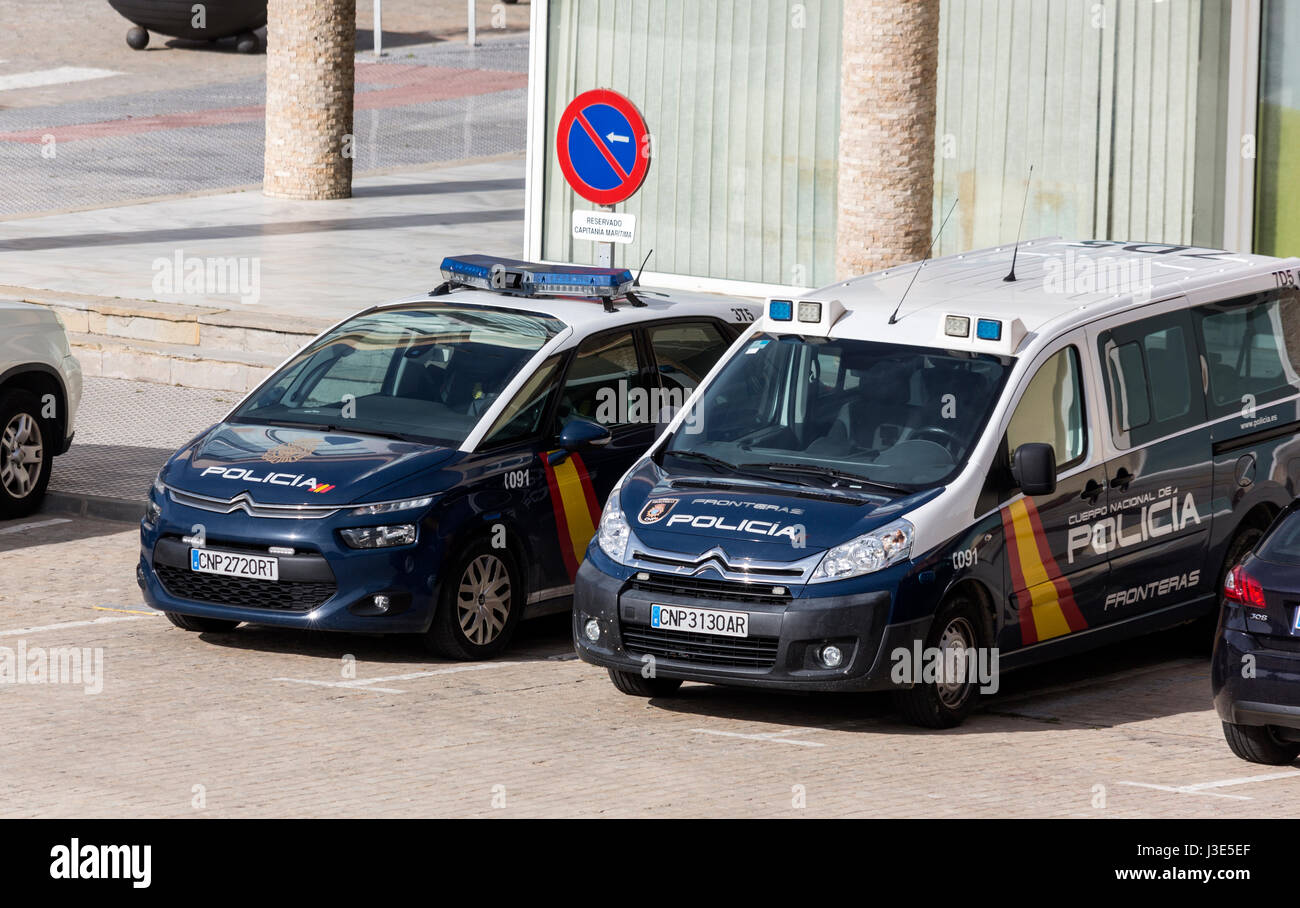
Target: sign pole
[
  {"x": 605, "y": 251},
  {"x": 471, "y": 36}
]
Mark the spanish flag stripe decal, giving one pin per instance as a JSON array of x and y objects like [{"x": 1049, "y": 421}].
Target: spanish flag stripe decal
[
  {"x": 1069, "y": 608},
  {"x": 1027, "y": 633},
  {"x": 561, "y": 525},
  {"x": 1051, "y": 610},
  {"x": 576, "y": 510}
]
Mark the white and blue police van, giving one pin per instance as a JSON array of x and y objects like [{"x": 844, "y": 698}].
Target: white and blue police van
[
  {"x": 432, "y": 466},
  {"x": 911, "y": 480}
]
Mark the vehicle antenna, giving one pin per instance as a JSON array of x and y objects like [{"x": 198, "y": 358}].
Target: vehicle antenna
[
  {"x": 894, "y": 315},
  {"x": 637, "y": 281},
  {"x": 1011, "y": 276}
]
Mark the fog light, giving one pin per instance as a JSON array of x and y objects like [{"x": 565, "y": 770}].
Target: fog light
[
  {"x": 382, "y": 603},
  {"x": 832, "y": 656},
  {"x": 592, "y": 630}
]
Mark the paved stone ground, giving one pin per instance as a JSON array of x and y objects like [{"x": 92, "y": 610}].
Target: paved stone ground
[
  {"x": 126, "y": 431},
  {"x": 263, "y": 722},
  {"x": 183, "y": 117}
]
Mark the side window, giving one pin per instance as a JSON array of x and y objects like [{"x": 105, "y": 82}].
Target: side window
[
  {"x": 685, "y": 351},
  {"x": 1152, "y": 377},
  {"x": 1051, "y": 410},
  {"x": 522, "y": 417},
  {"x": 605, "y": 383},
  {"x": 1251, "y": 348}
]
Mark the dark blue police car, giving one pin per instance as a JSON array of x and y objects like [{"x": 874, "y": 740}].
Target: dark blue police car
[{"x": 432, "y": 466}]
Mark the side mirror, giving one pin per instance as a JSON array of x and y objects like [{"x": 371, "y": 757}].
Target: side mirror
[
  {"x": 582, "y": 433},
  {"x": 1033, "y": 467}
]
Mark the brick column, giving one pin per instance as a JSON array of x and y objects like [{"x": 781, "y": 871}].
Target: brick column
[
  {"x": 887, "y": 111},
  {"x": 309, "y": 84}
]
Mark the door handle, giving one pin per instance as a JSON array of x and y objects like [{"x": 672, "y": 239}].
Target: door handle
[
  {"x": 1122, "y": 478},
  {"x": 1092, "y": 491}
]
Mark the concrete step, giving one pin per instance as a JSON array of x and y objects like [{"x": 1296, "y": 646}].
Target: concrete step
[
  {"x": 252, "y": 329},
  {"x": 171, "y": 343},
  {"x": 172, "y": 364}
]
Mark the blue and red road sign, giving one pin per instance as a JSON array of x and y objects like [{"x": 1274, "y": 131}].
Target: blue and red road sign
[{"x": 602, "y": 145}]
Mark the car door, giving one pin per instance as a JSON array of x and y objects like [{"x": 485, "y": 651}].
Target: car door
[
  {"x": 681, "y": 352},
  {"x": 1159, "y": 470},
  {"x": 1053, "y": 572},
  {"x": 608, "y": 381}
]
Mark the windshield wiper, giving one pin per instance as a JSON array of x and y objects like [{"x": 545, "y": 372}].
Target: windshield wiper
[
  {"x": 706, "y": 458},
  {"x": 825, "y": 473},
  {"x": 334, "y": 427}
]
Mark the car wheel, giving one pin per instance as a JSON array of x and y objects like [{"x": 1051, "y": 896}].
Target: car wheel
[
  {"x": 634, "y": 684},
  {"x": 1259, "y": 744},
  {"x": 201, "y": 625},
  {"x": 26, "y": 453},
  {"x": 945, "y": 703},
  {"x": 479, "y": 606}
]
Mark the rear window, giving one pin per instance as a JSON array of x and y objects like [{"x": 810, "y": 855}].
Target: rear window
[
  {"x": 1252, "y": 349},
  {"x": 1282, "y": 546}
]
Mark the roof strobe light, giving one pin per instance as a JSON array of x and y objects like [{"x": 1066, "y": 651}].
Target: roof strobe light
[
  {"x": 531, "y": 279},
  {"x": 988, "y": 329},
  {"x": 780, "y": 310}
]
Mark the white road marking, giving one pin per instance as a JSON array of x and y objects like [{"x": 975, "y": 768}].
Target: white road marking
[
  {"x": 367, "y": 683},
  {"x": 69, "y": 624},
  {"x": 60, "y": 75},
  {"x": 24, "y": 527},
  {"x": 1203, "y": 787},
  {"x": 776, "y": 737}
]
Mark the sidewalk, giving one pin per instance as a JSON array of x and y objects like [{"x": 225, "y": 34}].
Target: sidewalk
[
  {"x": 319, "y": 260},
  {"x": 122, "y": 441}
]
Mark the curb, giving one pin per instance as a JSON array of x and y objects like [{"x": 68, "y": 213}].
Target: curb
[{"x": 95, "y": 506}]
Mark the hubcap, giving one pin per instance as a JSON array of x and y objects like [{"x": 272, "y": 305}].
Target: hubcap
[
  {"x": 955, "y": 684},
  {"x": 22, "y": 455},
  {"x": 483, "y": 601}
]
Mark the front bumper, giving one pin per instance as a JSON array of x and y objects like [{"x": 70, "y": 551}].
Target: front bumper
[
  {"x": 323, "y": 586},
  {"x": 780, "y": 652},
  {"x": 1256, "y": 679}
]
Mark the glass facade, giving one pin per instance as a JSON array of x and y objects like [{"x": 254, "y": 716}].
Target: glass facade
[
  {"x": 1119, "y": 107},
  {"x": 741, "y": 98},
  {"x": 1277, "y": 164}
]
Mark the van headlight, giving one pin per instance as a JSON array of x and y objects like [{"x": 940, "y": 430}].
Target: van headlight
[
  {"x": 871, "y": 552},
  {"x": 613, "y": 533},
  {"x": 379, "y": 537}
]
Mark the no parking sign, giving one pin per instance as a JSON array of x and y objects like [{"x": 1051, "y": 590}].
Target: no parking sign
[{"x": 602, "y": 145}]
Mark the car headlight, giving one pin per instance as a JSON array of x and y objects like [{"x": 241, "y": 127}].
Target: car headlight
[
  {"x": 613, "y": 533},
  {"x": 865, "y": 554},
  {"x": 379, "y": 537},
  {"x": 152, "y": 509},
  {"x": 388, "y": 507}
]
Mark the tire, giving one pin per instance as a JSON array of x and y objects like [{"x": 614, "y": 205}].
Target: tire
[
  {"x": 199, "y": 625},
  {"x": 960, "y": 623},
  {"x": 479, "y": 604},
  {"x": 26, "y": 453},
  {"x": 635, "y": 685},
  {"x": 248, "y": 43},
  {"x": 1258, "y": 744}
]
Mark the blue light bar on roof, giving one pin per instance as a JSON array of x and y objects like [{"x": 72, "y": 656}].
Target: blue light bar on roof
[
  {"x": 531, "y": 279},
  {"x": 988, "y": 329},
  {"x": 780, "y": 310}
]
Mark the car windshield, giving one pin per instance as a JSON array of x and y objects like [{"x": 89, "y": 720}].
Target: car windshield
[
  {"x": 842, "y": 412},
  {"x": 427, "y": 374}
]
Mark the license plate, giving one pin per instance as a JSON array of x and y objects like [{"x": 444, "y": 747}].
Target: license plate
[
  {"x": 232, "y": 564},
  {"x": 699, "y": 620}
]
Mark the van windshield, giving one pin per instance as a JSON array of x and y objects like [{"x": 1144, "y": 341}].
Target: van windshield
[
  {"x": 427, "y": 374},
  {"x": 842, "y": 411}
]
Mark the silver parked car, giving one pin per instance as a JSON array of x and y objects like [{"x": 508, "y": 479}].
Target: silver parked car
[{"x": 40, "y": 388}]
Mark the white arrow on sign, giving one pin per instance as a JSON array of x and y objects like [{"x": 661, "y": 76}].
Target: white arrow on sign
[{"x": 615, "y": 137}]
